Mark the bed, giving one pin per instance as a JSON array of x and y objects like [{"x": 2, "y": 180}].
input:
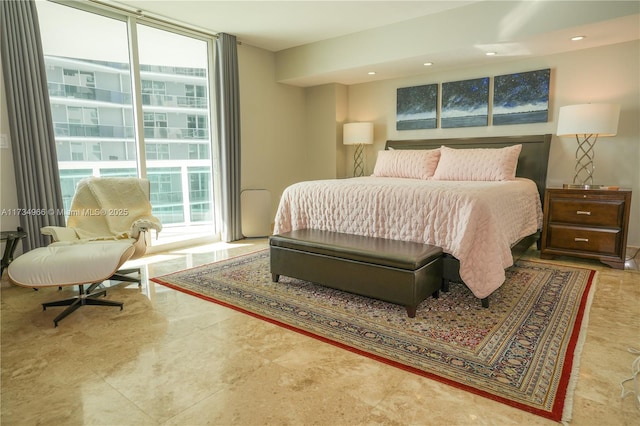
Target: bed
[{"x": 469, "y": 205}]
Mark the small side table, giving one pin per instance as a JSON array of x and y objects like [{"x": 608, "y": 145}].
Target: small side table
[
  {"x": 12, "y": 238},
  {"x": 587, "y": 223}
]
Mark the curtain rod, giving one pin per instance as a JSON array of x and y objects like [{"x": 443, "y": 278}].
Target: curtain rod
[{"x": 151, "y": 17}]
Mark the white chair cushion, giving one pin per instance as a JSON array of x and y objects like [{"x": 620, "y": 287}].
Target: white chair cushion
[{"x": 63, "y": 264}]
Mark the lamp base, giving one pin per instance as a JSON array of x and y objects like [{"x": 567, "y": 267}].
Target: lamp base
[
  {"x": 358, "y": 161},
  {"x": 584, "y": 160}
]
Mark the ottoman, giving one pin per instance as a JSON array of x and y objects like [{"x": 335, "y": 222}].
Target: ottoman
[
  {"x": 63, "y": 264},
  {"x": 395, "y": 271}
]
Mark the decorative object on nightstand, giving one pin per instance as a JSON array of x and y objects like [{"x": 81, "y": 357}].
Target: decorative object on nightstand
[
  {"x": 358, "y": 134},
  {"x": 587, "y": 223},
  {"x": 588, "y": 121}
]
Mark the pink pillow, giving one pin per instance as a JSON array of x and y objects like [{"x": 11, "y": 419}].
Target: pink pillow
[
  {"x": 407, "y": 163},
  {"x": 478, "y": 163}
]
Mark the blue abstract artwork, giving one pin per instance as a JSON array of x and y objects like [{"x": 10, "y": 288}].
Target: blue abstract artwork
[
  {"x": 521, "y": 98},
  {"x": 416, "y": 107},
  {"x": 465, "y": 103}
]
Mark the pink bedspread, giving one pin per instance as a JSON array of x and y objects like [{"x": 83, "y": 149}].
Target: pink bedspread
[{"x": 477, "y": 222}]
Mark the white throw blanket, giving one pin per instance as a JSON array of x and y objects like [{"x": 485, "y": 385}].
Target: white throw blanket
[
  {"x": 111, "y": 208},
  {"x": 477, "y": 222}
]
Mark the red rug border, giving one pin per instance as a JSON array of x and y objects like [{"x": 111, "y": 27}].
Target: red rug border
[{"x": 565, "y": 377}]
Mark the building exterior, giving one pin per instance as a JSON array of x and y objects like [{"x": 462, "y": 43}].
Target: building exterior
[{"x": 93, "y": 116}]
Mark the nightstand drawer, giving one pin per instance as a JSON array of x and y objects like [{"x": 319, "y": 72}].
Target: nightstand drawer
[
  {"x": 603, "y": 213},
  {"x": 600, "y": 241}
]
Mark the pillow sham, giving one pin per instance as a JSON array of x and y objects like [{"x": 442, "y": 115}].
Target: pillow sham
[
  {"x": 407, "y": 163},
  {"x": 478, "y": 163}
]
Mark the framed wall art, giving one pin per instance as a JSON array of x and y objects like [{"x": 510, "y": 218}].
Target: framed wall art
[
  {"x": 521, "y": 98},
  {"x": 465, "y": 103},
  {"x": 416, "y": 107}
]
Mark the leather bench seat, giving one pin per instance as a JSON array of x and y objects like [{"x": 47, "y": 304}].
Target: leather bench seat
[
  {"x": 377, "y": 251},
  {"x": 395, "y": 271}
]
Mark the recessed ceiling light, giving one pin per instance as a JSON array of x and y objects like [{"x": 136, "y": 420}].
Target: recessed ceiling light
[
  {"x": 428, "y": 64},
  {"x": 577, "y": 38},
  {"x": 490, "y": 53},
  {"x": 371, "y": 73}
]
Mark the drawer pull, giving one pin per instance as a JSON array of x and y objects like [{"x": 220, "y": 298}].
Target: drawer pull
[
  {"x": 582, "y": 240},
  {"x": 584, "y": 212}
]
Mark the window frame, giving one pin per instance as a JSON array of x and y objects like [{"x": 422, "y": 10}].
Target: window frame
[{"x": 132, "y": 18}]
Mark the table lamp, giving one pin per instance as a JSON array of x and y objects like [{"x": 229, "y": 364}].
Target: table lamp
[
  {"x": 586, "y": 122},
  {"x": 358, "y": 134}
]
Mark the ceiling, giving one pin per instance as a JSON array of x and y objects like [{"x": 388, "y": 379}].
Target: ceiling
[
  {"x": 293, "y": 26},
  {"x": 279, "y": 25}
]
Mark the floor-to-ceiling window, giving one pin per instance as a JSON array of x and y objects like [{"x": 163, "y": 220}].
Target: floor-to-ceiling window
[{"x": 104, "y": 127}]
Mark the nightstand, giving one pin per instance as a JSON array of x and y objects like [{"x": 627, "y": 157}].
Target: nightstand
[{"x": 587, "y": 223}]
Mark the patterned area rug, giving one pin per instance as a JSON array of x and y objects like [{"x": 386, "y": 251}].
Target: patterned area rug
[{"x": 522, "y": 351}]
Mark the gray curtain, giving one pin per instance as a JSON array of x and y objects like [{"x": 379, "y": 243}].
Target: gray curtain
[
  {"x": 228, "y": 127},
  {"x": 30, "y": 123}
]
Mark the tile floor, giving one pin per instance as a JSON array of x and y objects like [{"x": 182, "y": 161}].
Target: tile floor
[{"x": 173, "y": 359}]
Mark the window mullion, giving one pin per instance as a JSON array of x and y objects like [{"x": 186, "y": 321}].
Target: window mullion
[{"x": 136, "y": 91}]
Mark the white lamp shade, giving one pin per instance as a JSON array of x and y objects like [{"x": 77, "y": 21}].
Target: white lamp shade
[
  {"x": 357, "y": 133},
  {"x": 588, "y": 119}
]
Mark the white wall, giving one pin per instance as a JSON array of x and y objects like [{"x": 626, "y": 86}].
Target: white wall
[
  {"x": 604, "y": 74},
  {"x": 321, "y": 127},
  {"x": 273, "y": 123}
]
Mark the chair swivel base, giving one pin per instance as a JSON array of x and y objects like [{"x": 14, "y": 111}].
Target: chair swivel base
[
  {"x": 88, "y": 297},
  {"x": 123, "y": 275}
]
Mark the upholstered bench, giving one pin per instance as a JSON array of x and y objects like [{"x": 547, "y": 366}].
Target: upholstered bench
[{"x": 399, "y": 272}]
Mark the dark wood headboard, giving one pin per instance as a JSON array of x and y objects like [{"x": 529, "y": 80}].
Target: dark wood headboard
[{"x": 532, "y": 163}]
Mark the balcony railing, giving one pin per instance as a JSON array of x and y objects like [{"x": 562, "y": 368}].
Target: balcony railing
[
  {"x": 174, "y": 101},
  {"x": 199, "y": 196},
  {"x": 93, "y": 130},
  {"x": 168, "y": 198},
  {"x": 196, "y": 72},
  {"x": 127, "y": 132},
  {"x": 81, "y": 92},
  {"x": 124, "y": 98},
  {"x": 175, "y": 133}
]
